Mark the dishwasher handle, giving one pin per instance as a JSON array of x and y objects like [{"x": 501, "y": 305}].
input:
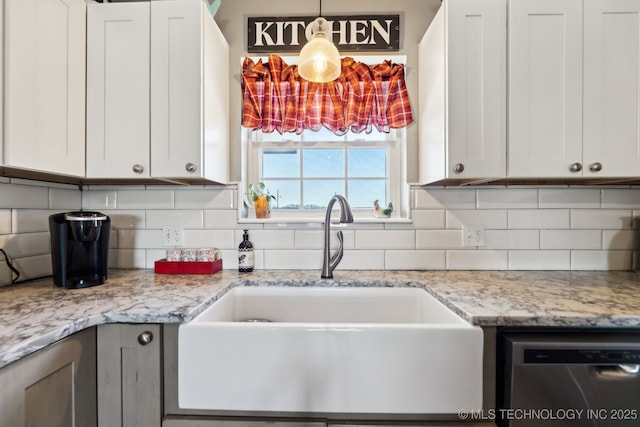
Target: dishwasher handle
[{"x": 616, "y": 371}]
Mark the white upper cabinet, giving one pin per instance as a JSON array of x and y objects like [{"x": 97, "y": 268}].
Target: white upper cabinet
[
  {"x": 462, "y": 93},
  {"x": 176, "y": 87},
  {"x": 118, "y": 90},
  {"x": 169, "y": 106},
  {"x": 573, "y": 88},
  {"x": 545, "y": 88},
  {"x": 44, "y": 85},
  {"x": 611, "y": 93},
  {"x": 189, "y": 92}
]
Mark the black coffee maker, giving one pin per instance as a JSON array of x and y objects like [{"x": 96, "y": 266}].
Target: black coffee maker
[{"x": 79, "y": 248}]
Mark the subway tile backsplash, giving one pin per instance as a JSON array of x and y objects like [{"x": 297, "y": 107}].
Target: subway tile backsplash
[
  {"x": 539, "y": 219},
  {"x": 507, "y": 198},
  {"x": 25, "y": 207},
  {"x": 577, "y": 198},
  {"x": 547, "y": 228}
]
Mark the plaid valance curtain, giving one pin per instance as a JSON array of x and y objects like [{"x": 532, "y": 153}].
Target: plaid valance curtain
[{"x": 276, "y": 98}]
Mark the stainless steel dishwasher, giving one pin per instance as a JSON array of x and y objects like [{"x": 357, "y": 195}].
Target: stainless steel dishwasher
[{"x": 569, "y": 379}]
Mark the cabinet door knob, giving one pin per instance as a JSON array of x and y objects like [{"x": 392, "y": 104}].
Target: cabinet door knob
[
  {"x": 137, "y": 168},
  {"x": 595, "y": 167},
  {"x": 190, "y": 167},
  {"x": 145, "y": 338},
  {"x": 575, "y": 167},
  {"x": 458, "y": 168}
]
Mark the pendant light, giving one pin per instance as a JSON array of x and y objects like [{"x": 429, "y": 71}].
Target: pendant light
[{"x": 319, "y": 59}]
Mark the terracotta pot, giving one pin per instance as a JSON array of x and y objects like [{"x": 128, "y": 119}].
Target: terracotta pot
[{"x": 262, "y": 207}]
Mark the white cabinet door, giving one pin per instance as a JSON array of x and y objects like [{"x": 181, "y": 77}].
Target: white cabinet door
[
  {"x": 462, "y": 96},
  {"x": 176, "y": 88},
  {"x": 189, "y": 92},
  {"x": 477, "y": 44},
  {"x": 611, "y": 84},
  {"x": 545, "y": 88},
  {"x": 45, "y": 85},
  {"x": 118, "y": 90}
]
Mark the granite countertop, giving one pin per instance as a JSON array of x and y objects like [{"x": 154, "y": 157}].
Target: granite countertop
[{"x": 35, "y": 314}]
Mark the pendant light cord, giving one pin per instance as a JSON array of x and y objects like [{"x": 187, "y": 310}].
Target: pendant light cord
[{"x": 320, "y": 8}]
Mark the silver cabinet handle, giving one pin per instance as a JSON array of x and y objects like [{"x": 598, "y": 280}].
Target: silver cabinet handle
[
  {"x": 595, "y": 167},
  {"x": 145, "y": 338},
  {"x": 575, "y": 167},
  {"x": 458, "y": 168},
  {"x": 137, "y": 168},
  {"x": 190, "y": 167}
]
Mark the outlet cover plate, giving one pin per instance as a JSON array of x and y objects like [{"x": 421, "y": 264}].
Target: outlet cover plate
[
  {"x": 472, "y": 235},
  {"x": 172, "y": 235}
]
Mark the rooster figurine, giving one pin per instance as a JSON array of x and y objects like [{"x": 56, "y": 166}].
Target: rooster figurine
[{"x": 382, "y": 213}]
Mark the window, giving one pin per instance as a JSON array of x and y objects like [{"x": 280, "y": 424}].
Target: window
[{"x": 304, "y": 171}]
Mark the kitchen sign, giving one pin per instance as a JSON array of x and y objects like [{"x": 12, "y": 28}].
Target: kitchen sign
[{"x": 373, "y": 33}]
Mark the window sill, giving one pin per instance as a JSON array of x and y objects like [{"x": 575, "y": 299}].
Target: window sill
[{"x": 319, "y": 221}]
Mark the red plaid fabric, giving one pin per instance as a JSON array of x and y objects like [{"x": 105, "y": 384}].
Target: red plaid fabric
[{"x": 276, "y": 98}]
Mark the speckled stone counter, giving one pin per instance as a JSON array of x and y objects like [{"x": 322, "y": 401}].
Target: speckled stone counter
[{"x": 35, "y": 314}]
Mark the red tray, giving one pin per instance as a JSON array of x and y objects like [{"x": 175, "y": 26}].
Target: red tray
[{"x": 163, "y": 266}]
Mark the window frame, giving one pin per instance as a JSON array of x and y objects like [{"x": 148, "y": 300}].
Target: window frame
[{"x": 397, "y": 183}]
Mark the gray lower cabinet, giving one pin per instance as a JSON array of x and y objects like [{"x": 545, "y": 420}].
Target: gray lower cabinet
[
  {"x": 53, "y": 387},
  {"x": 227, "y": 423},
  {"x": 129, "y": 375}
]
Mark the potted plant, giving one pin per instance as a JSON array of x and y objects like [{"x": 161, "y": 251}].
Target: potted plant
[{"x": 261, "y": 199}]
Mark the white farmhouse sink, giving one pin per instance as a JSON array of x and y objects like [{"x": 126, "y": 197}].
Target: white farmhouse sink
[{"x": 330, "y": 350}]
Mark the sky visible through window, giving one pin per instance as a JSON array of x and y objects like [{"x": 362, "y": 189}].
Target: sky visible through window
[{"x": 307, "y": 177}]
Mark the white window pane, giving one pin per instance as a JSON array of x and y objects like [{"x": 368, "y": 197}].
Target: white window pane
[
  {"x": 367, "y": 162},
  {"x": 305, "y": 175},
  {"x": 323, "y": 162},
  {"x": 363, "y": 192},
  {"x": 287, "y": 194},
  {"x": 281, "y": 163},
  {"x": 318, "y": 193}
]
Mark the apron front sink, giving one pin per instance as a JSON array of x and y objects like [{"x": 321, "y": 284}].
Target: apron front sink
[{"x": 340, "y": 350}]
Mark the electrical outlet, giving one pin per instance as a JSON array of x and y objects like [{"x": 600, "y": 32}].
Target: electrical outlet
[
  {"x": 172, "y": 235},
  {"x": 472, "y": 235}
]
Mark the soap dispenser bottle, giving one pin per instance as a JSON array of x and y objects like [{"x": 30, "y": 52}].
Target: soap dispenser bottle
[{"x": 245, "y": 254}]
